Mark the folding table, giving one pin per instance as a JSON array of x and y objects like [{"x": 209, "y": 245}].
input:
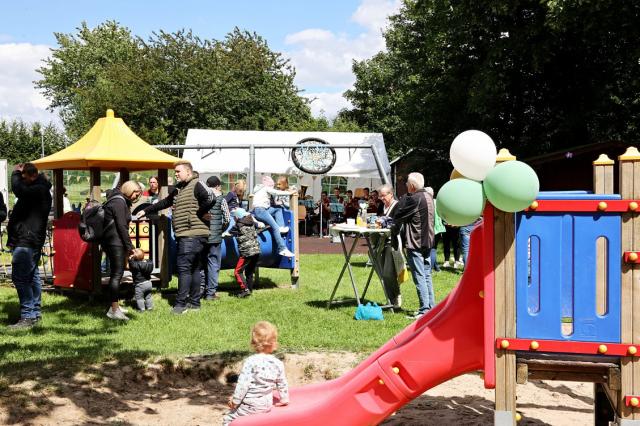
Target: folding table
[{"x": 375, "y": 239}]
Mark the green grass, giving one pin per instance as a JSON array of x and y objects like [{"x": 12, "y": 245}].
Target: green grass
[{"x": 75, "y": 332}]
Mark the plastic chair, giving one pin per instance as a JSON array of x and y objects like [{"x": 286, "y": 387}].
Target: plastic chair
[{"x": 302, "y": 217}]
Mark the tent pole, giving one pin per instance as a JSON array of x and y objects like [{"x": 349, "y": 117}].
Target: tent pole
[
  {"x": 383, "y": 175},
  {"x": 252, "y": 168}
]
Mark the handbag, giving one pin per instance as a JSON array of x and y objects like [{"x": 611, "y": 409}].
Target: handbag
[{"x": 370, "y": 311}]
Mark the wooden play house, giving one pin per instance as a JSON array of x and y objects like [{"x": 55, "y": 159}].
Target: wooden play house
[
  {"x": 110, "y": 145},
  {"x": 566, "y": 294}
]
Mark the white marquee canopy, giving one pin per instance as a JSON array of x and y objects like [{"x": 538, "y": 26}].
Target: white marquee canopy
[{"x": 350, "y": 162}]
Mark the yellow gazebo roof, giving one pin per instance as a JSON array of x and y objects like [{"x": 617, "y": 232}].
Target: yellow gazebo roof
[{"x": 109, "y": 145}]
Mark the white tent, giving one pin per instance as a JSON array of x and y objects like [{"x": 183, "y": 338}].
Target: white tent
[
  {"x": 357, "y": 164},
  {"x": 349, "y": 162}
]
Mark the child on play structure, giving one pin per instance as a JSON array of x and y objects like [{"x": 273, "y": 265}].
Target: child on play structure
[
  {"x": 261, "y": 374},
  {"x": 141, "y": 270},
  {"x": 245, "y": 232},
  {"x": 272, "y": 216}
]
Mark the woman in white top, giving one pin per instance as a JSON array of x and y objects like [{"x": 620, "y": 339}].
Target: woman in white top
[
  {"x": 388, "y": 200},
  {"x": 264, "y": 212}
]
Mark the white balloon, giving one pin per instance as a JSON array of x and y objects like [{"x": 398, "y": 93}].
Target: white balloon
[{"x": 473, "y": 154}]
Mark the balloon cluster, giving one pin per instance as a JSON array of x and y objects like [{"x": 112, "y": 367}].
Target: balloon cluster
[{"x": 510, "y": 186}]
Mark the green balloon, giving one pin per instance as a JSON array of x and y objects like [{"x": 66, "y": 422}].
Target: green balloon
[
  {"x": 460, "y": 201},
  {"x": 511, "y": 186}
]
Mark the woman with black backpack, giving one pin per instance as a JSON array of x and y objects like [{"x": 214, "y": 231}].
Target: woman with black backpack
[{"x": 116, "y": 242}]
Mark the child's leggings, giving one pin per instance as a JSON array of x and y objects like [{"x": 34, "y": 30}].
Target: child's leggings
[{"x": 244, "y": 271}]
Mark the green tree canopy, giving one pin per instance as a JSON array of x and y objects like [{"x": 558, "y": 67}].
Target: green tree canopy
[
  {"x": 535, "y": 75},
  {"x": 21, "y": 142},
  {"x": 171, "y": 82}
]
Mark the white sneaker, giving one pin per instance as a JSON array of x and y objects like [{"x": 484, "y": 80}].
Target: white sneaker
[
  {"x": 284, "y": 229},
  {"x": 124, "y": 310},
  {"x": 225, "y": 234},
  {"x": 286, "y": 253},
  {"x": 117, "y": 315},
  {"x": 458, "y": 265},
  {"x": 446, "y": 264}
]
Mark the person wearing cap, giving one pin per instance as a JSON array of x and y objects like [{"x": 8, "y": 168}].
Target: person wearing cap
[
  {"x": 249, "y": 248},
  {"x": 191, "y": 201},
  {"x": 218, "y": 218},
  {"x": 271, "y": 216}
]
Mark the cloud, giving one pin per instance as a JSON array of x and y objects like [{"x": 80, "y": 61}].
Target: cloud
[
  {"x": 18, "y": 97},
  {"x": 323, "y": 59},
  {"x": 327, "y": 103},
  {"x": 310, "y": 35},
  {"x": 373, "y": 14}
]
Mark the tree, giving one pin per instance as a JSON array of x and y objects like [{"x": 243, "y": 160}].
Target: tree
[
  {"x": 535, "y": 75},
  {"x": 75, "y": 76},
  {"x": 171, "y": 82},
  {"x": 21, "y": 142}
]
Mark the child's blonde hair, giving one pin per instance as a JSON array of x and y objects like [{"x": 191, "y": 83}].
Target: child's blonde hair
[
  {"x": 138, "y": 254},
  {"x": 264, "y": 337}
]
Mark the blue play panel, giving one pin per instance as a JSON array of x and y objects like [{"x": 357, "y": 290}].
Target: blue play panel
[
  {"x": 556, "y": 268},
  {"x": 269, "y": 257}
]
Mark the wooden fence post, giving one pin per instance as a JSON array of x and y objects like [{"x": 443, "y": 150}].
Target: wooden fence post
[
  {"x": 630, "y": 294},
  {"x": 505, "y": 315},
  {"x": 602, "y": 184},
  {"x": 295, "y": 272}
]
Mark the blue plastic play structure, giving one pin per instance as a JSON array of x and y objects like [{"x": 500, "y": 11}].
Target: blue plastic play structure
[
  {"x": 556, "y": 272},
  {"x": 269, "y": 257}
]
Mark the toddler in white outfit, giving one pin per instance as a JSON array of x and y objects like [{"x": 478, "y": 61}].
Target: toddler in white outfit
[{"x": 261, "y": 374}]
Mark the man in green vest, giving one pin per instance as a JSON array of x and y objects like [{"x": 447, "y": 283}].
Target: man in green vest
[{"x": 191, "y": 201}]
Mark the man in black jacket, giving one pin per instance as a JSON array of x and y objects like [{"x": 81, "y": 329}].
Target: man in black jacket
[
  {"x": 416, "y": 213},
  {"x": 26, "y": 235}
]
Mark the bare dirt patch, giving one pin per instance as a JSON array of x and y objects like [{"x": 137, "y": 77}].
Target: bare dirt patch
[{"x": 194, "y": 390}]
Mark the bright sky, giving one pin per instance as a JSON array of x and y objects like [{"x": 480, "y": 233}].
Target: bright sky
[{"x": 321, "y": 38}]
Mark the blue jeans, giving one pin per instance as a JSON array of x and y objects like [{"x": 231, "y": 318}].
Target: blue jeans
[
  {"x": 420, "y": 265},
  {"x": 465, "y": 239},
  {"x": 26, "y": 278},
  {"x": 264, "y": 215},
  {"x": 232, "y": 221},
  {"x": 278, "y": 213},
  {"x": 433, "y": 256},
  {"x": 213, "y": 269},
  {"x": 190, "y": 260}
]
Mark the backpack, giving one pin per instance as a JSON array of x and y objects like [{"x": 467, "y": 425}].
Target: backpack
[{"x": 91, "y": 227}]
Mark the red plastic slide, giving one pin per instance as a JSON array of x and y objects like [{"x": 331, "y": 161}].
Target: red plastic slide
[{"x": 441, "y": 345}]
